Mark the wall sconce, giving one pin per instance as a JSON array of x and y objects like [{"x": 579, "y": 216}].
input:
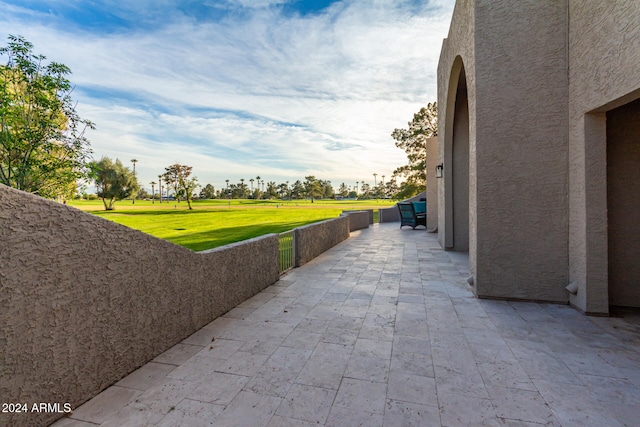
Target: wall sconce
[{"x": 439, "y": 170}]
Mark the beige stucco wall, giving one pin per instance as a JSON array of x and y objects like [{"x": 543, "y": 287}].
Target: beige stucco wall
[
  {"x": 432, "y": 183},
  {"x": 604, "y": 64},
  {"x": 389, "y": 214},
  {"x": 457, "y": 56},
  {"x": 85, "y": 301},
  {"x": 514, "y": 56},
  {"x": 357, "y": 219},
  {"x": 521, "y": 149},
  {"x": 314, "y": 239},
  {"x": 541, "y": 77}
]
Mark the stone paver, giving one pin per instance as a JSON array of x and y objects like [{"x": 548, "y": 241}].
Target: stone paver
[{"x": 382, "y": 330}]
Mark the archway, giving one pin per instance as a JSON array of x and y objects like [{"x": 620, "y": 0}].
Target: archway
[{"x": 457, "y": 162}]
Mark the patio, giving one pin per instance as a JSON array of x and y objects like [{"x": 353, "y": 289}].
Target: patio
[{"x": 383, "y": 330}]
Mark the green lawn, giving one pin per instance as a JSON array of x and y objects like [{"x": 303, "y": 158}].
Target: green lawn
[{"x": 214, "y": 223}]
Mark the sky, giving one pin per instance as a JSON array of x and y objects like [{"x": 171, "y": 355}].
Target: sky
[{"x": 280, "y": 89}]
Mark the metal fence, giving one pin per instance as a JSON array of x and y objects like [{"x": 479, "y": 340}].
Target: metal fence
[{"x": 286, "y": 251}]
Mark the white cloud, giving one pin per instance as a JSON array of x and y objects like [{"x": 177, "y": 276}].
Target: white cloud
[{"x": 271, "y": 95}]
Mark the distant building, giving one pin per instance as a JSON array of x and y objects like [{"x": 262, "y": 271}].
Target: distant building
[{"x": 539, "y": 139}]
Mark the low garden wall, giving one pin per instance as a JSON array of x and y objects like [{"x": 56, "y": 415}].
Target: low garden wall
[
  {"x": 314, "y": 239},
  {"x": 359, "y": 219},
  {"x": 85, "y": 301},
  {"x": 389, "y": 214}
]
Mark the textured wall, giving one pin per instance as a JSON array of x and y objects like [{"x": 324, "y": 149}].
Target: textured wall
[
  {"x": 517, "y": 146},
  {"x": 389, "y": 214},
  {"x": 541, "y": 76},
  {"x": 604, "y": 58},
  {"x": 314, "y": 239},
  {"x": 521, "y": 149},
  {"x": 85, "y": 301},
  {"x": 457, "y": 56},
  {"x": 432, "y": 184},
  {"x": 357, "y": 219},
  {"x": 623, "y": 200}
]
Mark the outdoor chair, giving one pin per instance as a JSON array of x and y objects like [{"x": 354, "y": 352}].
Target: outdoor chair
[{"x": 409, "y": 216}]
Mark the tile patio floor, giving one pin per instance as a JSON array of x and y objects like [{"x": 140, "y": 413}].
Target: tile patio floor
[{"x": 382, "y": 330}]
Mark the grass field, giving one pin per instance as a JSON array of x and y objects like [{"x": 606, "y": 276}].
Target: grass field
[{"x": 214, "y": 223}]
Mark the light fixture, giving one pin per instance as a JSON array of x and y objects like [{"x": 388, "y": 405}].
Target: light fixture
[{"x": 439, "y": 170}]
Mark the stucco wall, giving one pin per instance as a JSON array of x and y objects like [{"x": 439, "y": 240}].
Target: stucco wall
[
  {"x": 357, "y": 219},
  {"x": 457, "y": 56},
  {"x": 521, "y": 149},
  {"x": 389, "y": 214},
  {"x": 85, "y": 301},
  {"x": 314, "y": 239},
  {"x": 604, "y": 59},
  {"x": 514, "y": 58},
  {"x": 431, "y": 193}
]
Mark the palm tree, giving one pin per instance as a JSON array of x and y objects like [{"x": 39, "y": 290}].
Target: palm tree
[
  {"x": 251, "y": 180},
  {"x": 227, "y": 181},
  {"x": 153, "y": 192},
  {"x": 375, "y": 175},
  {"x": 134, "y": 161},
  {"x": 160, "y": 187}
]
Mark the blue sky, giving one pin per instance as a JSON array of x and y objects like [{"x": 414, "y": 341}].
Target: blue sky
[{"x": 240, "y": 88}]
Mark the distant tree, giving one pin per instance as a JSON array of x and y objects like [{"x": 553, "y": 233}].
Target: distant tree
[
  {"x": 413, "y": 141},
  {"x": 243, "y": 189},
  {"x": 43, "y": 148},
  {"x": 272, "y": 190},
  {"x": 283, "y": 190},
  {"x": 297, "y": 190},
  {"x": 180, "y": 179},
  {"x": 133, "y": 199},
  {"x": 113, "y": 181},
  {"x": 343, "y": 190},
  {"x": 208, "y": 192},
  {"x": 365, "y": 191},
  {"x": 153, "y": 191},
  {"x": 312, "y": 187},
  {"x": 160, "y": 177},
  {"x": 326, "y": 189},
  {"x": 143, "y": 194}
]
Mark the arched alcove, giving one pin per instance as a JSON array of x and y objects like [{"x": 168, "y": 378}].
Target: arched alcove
[{"x": 456, "y": 161}]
